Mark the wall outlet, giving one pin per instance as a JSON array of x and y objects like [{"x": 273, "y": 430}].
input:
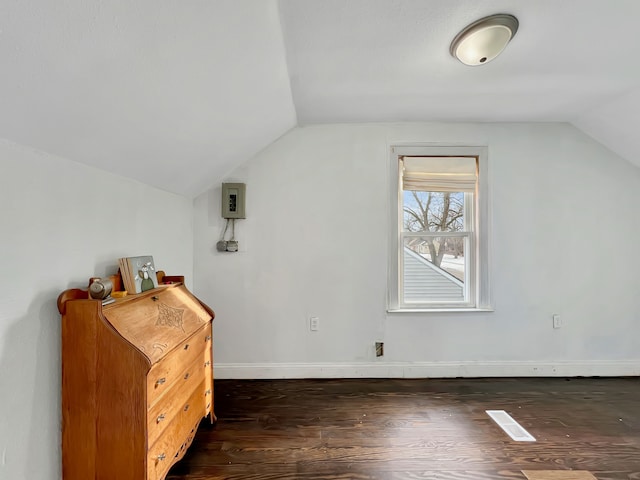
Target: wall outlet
[
  {"x": 314, "y": 324},
  {"x": 557, "y": 321}
]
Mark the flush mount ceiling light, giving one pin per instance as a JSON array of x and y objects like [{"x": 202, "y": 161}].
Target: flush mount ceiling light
[{"x": 482, "y": 41}]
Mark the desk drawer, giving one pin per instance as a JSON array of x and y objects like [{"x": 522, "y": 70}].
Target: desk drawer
[
  {"x": 169, "y": 406},
  {"x": 174, "y": 440},
  {"x": 173, "y": 367}
]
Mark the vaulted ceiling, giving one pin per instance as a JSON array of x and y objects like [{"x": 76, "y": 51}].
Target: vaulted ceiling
[{"x": 175, "y": 94}]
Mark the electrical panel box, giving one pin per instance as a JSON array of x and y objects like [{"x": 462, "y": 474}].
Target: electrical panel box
[{"x": 233, "y": 200}]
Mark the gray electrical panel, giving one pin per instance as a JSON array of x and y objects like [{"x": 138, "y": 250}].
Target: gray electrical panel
[{"x": 233, "y": 200}]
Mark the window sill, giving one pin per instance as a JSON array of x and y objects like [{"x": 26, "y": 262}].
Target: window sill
[{"x": 440, "y": 310}]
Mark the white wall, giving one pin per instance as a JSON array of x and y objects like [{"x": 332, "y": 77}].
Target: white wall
[
  {"x": 565, "y": 229},
  {"x": 62, "y": 223}
]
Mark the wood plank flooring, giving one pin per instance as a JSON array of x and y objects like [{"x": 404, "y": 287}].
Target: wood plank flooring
[{"x": 436, "y": 429}]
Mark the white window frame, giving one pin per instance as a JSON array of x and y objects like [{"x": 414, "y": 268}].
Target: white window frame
[{"x": 479, "y": 241}]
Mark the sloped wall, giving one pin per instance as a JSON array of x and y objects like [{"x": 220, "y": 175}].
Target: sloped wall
[
  {"x": 315, "y": 243},
  {"x": 614, "y": 124}
]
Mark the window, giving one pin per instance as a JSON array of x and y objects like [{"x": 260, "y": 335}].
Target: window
[{"x": 439, "y": 247}]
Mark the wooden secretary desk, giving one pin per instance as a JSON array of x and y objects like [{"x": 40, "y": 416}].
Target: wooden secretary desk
[{"x": 137, "y": 379}]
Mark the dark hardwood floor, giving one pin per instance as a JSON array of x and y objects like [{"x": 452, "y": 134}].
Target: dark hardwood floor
[{"x": 416, "y": 429}]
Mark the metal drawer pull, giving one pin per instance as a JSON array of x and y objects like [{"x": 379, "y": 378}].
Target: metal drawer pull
[
  {"x": 186, "y": 347},
  {"x": 208, "y": 392},
  {"x": 186, "y": 407},
  {"x": 186, "y": 375},
  {"x": 208, "y": 405},
  {"x": 207, "y": 363},
  {"x": 160, "y": 418},
  {"x": 160, "y": 381},
  {"x": 155, "y": 298},
  {"x": 208, "y": 338},
  {"x": 162, "y": 456}
]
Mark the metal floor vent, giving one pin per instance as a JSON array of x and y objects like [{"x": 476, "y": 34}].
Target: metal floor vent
[{"x": 510, "y": 426}]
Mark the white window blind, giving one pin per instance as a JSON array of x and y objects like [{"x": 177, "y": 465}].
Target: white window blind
[{"x": 439, "y": 174}]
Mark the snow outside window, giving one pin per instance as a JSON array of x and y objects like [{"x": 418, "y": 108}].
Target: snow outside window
[{"x": 439, "y": 257}]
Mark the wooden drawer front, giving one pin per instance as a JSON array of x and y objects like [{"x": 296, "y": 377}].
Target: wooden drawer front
[
  {"x": 175, "y": 439},
  {"x": 158, "y": 321},
  {"x": 167, "y": 407},
  {"x": 208, "y": 372},
  {"x": 173, "y": 368}
]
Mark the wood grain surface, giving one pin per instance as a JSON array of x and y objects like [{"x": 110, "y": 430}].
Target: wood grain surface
[
  {"x": 558, "y": 475},
  {"x": 158, "y": 320},
  {"x": 115, "y": 424},
  {"x": 416, "y": 429}
]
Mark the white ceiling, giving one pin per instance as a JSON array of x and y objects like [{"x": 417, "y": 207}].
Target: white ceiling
[
  {"x": 170, "y": 93},
  {"x": 176, "y": 94}
]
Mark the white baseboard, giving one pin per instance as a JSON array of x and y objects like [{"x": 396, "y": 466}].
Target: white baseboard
[{"x": 256, "y": 371}]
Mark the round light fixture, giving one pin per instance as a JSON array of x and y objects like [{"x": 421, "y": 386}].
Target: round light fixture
[{"x": 482, "y": 41}]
